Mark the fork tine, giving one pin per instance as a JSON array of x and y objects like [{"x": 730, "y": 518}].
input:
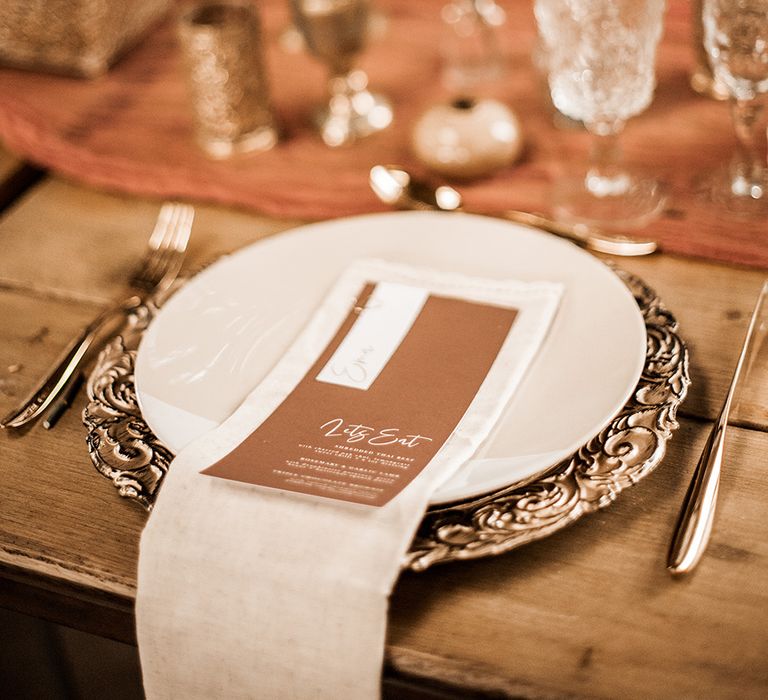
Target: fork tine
[
  {"x": 162, "y": 225},
  {"x": 156, "y": 243},
  {"x": 179, "y": 240},
  {"x": 184, "y": 229},
  {"x": 167, "y": 245},
  {"x": 153, "y": 266}
]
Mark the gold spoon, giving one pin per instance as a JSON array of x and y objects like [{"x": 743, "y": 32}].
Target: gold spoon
[{"x": 395, "y": 186}]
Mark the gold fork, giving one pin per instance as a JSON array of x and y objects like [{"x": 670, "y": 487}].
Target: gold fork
[{"x": 158, "y": 269}]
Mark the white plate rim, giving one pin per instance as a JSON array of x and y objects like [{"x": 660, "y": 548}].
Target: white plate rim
[{"x": 285, "y": 239}]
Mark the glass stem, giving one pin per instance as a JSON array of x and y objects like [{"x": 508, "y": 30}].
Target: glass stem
[
  {"x": 749, "y": 172},
  {"x": 606, "y": 176},
  {"x": 341, "y": 66}
]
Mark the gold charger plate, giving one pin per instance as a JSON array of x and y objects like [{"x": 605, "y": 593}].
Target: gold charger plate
[{"x": 124, "y": 449}]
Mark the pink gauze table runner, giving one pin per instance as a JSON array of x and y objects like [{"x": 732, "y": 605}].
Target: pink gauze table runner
[{"x": 131, "y": 130}]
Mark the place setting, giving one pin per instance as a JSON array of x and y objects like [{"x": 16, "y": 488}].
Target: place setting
[
  {"x": 168, "y": 380},
  {"x": 433, "y": 371},
  {"x": 568, "y": 441}
]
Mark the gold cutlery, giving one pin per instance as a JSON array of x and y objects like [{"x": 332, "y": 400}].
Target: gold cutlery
[
  {"x": 158, "y": 269},
  {"x": 694, "y": 525},
  {"x": 395, "y": 186},
  {"x": 63, "y": 401}
]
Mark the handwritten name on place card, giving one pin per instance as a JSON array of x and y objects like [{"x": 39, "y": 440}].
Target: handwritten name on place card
[{"x": 381, "y": 326}]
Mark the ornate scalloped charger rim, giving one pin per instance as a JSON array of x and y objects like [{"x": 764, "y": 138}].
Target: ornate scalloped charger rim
[{"x": 124, "y": 449}]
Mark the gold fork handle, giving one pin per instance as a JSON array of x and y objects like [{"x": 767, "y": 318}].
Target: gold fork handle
[
  {"x": 584, "y": 236},
  {"x": 57, "y": 378}
]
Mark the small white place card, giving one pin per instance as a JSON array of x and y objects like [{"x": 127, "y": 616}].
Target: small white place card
[{"x": 378, "y": 331}]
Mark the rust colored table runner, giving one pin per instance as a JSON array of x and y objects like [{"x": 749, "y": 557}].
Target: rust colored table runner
[{"x": 131, "y": 130}]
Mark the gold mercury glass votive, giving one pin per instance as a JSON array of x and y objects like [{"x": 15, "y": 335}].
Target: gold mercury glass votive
[
  {"x": 80, "y": 38},
  {"x": 224, "y": 56}
]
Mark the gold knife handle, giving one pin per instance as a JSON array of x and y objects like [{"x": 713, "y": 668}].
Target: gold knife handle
[
  {"x": 694, "y": 524},
  {"x": 584, "y": 236},
  {"x": 57, "y": 378},
  {"x": 63, "y": 402}
]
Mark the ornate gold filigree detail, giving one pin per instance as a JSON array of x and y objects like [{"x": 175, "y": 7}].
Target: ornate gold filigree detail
[
  {"x": 121, "y": 445},
  {"x": 124, "y": 449},
  {"x": 630, "y": 447}
]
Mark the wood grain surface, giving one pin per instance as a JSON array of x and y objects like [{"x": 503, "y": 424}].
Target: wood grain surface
[{"x": 589, "y": 612}]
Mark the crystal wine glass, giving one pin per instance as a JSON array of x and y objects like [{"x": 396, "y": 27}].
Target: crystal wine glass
[
  {"x": 736, "y": 39},
  {"x": 600, "y": 60},
  {"x": 471, "y": 48},
  {"x": 335, "y": 32}
]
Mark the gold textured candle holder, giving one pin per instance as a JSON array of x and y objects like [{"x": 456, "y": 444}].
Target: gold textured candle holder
[
  {"x": 223, "y": 52},
  {"x": 73, "y": 37}
]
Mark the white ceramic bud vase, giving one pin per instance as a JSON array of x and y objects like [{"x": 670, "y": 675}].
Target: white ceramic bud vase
[{"x": 467, "y": 138}]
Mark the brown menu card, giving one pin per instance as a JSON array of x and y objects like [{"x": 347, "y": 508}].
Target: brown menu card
[{"x": 379, "y": 402}]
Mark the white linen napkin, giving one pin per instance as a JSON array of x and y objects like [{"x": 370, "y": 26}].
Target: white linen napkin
[{"x": 247, "y": 592}]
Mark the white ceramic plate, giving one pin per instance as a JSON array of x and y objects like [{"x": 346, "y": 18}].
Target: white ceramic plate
[{"x": 225, "y": 329}]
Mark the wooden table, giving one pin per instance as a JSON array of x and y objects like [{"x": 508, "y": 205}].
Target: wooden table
[{"x": 589, "y": 612}]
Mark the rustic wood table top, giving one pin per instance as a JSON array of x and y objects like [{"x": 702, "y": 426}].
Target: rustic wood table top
[{"x": 587, "y": 612}]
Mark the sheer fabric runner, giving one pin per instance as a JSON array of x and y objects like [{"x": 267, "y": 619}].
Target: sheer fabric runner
[{"x": 131, "y": 131}]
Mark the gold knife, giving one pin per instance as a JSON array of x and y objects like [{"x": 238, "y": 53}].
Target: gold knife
[{"x": 694, "y": 525}]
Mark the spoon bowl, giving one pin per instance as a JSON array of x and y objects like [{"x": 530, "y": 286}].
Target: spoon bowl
[{"x": 395, "y": 186}]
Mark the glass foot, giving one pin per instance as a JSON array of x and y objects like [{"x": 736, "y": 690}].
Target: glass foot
[
  {"x": 732, "y": 192},
  {"x": 623, "y": 202},
  {"x": 260, "y": 139},
  {"x": 352, "y": 112}
]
